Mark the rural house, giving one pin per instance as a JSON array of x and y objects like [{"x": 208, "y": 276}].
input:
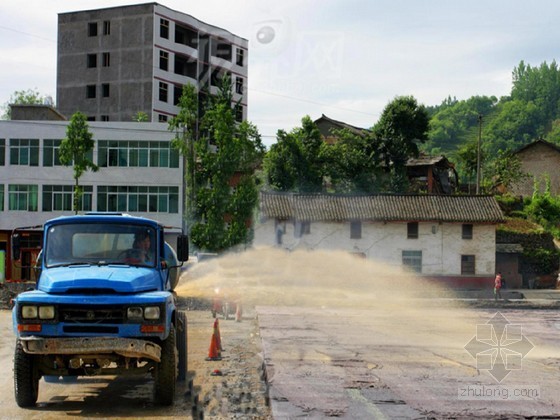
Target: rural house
[
  {"x": 426, "y": 174},
  {"x": 451, "y": 239},
  {"x": 540, "y": 160}
]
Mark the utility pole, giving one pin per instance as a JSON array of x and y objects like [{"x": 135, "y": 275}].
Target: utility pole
[{"x": 478, "y": 154}]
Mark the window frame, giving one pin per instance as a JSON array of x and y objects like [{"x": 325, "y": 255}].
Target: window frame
[
  {"x": 105, "y": 90},
  {"x": 91, "y": 91},
  {"x": 106, "y": 59},
  {"x": 412, "y": 260},
  {"x": 163, "y": 92},
  {"x": 92, "y": 29},
  {"x": 91, "y": 61},
  {"x": 356, "y": 229},
  {"x": 412, "y": 230},
  {"x": 468, "y": 261},
  {"x": 467, "y": 231},
  {"x": 26, "y": 192}
]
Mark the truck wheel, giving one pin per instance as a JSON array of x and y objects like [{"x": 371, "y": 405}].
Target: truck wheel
[
  {"x": 182, "y": 345},
  {"x": 26, "y": 378},
  {"x": 166, "y": 371}
]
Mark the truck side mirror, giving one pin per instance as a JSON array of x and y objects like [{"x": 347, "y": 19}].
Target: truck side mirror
[
  {"x": 16, "y": 247},
  {"x": 183, "y": 248}
]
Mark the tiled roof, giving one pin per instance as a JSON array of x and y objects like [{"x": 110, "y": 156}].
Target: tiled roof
[{"x": 323, "y": 207}]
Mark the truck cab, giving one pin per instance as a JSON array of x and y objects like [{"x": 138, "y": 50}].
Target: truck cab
[{"x": 103, "y": 305}]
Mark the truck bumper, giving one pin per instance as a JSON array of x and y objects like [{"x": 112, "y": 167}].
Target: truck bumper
[{"x": 127, "y": 347}]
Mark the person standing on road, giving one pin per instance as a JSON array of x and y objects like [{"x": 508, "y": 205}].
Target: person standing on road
[{"x": 498, "y": 286}]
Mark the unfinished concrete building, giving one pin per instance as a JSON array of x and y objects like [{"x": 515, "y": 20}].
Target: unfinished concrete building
[{"x": 117, "y": 62}]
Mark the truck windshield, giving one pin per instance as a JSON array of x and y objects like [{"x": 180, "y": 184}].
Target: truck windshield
[{"x": 100, "y": 244}]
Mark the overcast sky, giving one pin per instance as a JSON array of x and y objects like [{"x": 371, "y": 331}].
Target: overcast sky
[{"x": 343, "y": 58}]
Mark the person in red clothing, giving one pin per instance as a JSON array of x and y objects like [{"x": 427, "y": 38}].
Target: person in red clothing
[{"x": 498, "y": 286}]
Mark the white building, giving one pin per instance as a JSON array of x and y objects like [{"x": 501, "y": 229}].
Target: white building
[
  {"x": 139, "y": 173},
  {"x": 450, "y": 238}
]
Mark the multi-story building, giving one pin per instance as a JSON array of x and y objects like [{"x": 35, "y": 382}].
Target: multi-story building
[
  {"x": 139, "y": 173},
  {"x": 116, "y": 62}
]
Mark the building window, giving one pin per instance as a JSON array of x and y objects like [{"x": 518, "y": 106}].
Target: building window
[
  {"x": 90, "y": 118},
  {"x": 91, "y": 61},
  {"x": 61, "y": 198},
  {"x": 467, "y": 264},
  {"x": 162, "y": 118},
  {"x": 1, "y": 197},
  {"x": 239, "y": 57},
  {"x": 221, "y": 50},
  {"x": 106, "y": 27},
  {"x": 24, "y": 152},
  {"x": 22, "y": 197},
  {"x": 467, "y": 231},
  {"x": 177, "y": 93},
  {"x": 137, "y": 154},
  {"x": 104, "y": 118},
  {"x": 106, "y": 59},
  {"x": 186, "y": 36},
  {"x": 185, "y": 66},
  {"x": 51, "y": 154},
  {"x": 2, "y": 152},
  {"x": 92, "y": 29},
  {"x": 238, "y": 109},
  {"x": 164, "y": 28},
  {"x": 412, "y": 230},
  {"x": 163, "y": 92},
  {"x": 90, "y": 91},
  {"x": 239, "y": 85},
  {"x": 105, "y": 90},
  {"x": 302, "y": 228},
  {"x": 138, "y": 199},
  {"x": 412, "y": 260},
  {"x": 355, "y": 229},
  {"x": 164, "y": 60}
]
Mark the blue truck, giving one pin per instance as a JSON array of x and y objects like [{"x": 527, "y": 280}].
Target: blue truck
[{"x": 104, "y": 304}]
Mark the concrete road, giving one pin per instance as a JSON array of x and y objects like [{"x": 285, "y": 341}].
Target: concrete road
[{"x": 411, "y": 360}]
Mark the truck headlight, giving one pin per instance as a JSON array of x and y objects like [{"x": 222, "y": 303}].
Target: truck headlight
[
  {"x": 46, "y": 312},
  {"x": 135, "y": 313},
  {"x": 151, "y": 312},
  {"x": 28, "y": 312}
]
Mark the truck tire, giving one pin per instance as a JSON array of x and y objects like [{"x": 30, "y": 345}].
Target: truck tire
[
  {"x": 182, "y": 346},
  {"x": 26, "y": 378},
  {"x": 166, "y": 371}
]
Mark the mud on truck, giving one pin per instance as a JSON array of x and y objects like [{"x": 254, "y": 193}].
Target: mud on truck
[{"x": 103, "y": 305}]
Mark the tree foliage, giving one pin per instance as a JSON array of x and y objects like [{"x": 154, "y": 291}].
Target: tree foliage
[
  {"x": 22, "y": 97},
  {"x": 75, "y": 150},
  {"x": 221, "y": 156},
  {"x": 295, "y": 161}
]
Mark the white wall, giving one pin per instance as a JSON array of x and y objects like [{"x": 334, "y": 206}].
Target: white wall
[
  {"x": 57, "y": 175},
  {"x": 441, "y": 247}
]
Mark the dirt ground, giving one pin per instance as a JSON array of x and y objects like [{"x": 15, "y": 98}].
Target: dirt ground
[{"x": 234, "y": 387}]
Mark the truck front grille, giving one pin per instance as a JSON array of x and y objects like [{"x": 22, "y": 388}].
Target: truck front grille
[
  {"x": 93, "y": 329},
  {"x": 92, "y": 315}
]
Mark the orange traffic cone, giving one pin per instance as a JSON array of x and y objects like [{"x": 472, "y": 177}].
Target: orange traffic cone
[
  {"x": 217, "y": 334},
  {"x": 214, "y": 352},
  {"x": 238, "y": 312}
]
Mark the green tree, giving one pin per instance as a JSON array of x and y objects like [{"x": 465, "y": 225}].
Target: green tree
[
  {"x": 76, "y": 149},
  {"x": 296, "y": 162},
  {"x": 140, "y": 116},
  {"x": 224, "y": 158},
  {"x": 402, "y": 126},
  {"x": 22, "y": 97},
  {"x": 351, "y": 164},
  {"x": 504, "y": 170},
  {"x": 185, "y": 126}
]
